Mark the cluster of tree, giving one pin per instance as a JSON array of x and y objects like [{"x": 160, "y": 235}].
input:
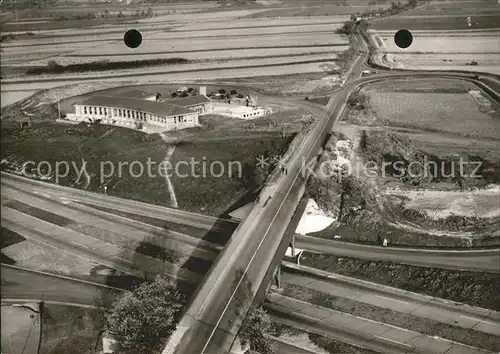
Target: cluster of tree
[
  {"x": 395, "y": 8},
  {"x": 142, "y": 320},
  {"x": 54, "y": 68},
  {"x": 252, "y": 177},
  {"x": 358, "y": 100},
  {"x": 106, "y": 14}
]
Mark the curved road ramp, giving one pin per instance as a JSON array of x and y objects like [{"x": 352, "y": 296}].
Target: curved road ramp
[{"x": 21, "y": 327}]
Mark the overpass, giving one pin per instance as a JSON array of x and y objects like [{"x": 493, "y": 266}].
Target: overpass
[{"x": 215, "y": 313}]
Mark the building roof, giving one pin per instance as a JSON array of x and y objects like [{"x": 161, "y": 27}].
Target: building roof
[
  {"x": 134, "y": 94},
  {"x": 190, "y": 101},
  {"x": 163, "y": 109}
]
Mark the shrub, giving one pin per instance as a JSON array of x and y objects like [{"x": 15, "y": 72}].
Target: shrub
[
  {"x": 358, "y": 100},
  {"x": 222, "y": 91},
  {"x": 190, "y": 89},
  {"x": 240, "y": 95},
  {"x": 184, "y": 94},
  {"x": 142, "y": 320},
  {"x": 52, "y": 65},
  {"x": 174, "y": 94},
  {"x": 233, "y": 92},
  {"x": 257, "y": 322}
]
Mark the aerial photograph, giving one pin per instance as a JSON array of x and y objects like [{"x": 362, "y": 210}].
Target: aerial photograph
[{"x": 250, "y": 176}]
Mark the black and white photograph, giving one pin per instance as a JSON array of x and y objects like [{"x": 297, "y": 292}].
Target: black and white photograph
[{"x": 250, "y": 176}]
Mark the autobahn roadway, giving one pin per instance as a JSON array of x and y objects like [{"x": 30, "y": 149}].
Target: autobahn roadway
[
  {"x": 484, "y": 260},
  {"x": 64, "y": 201},
  {"x": 107, "y": 239},
  {"x": 418, "y": 305},
  {"x": 20, "y": 284},
  {"x": 121, "y": 204}
]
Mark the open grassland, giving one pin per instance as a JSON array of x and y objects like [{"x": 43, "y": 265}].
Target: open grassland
[
  {"x": 68, "y": 329},
  {"x": 211, "y": 193},
  {"x": 229, "y": 164},
  {"x": 446, "y": 106},
  {"x": 447, "y": 113}
]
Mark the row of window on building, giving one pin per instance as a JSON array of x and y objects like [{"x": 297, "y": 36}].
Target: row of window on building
[
  {"x": 127, "y": 113},
  {"x": 252, "y": 114}
]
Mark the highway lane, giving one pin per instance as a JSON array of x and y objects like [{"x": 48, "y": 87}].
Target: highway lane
[
  {"x": 487, "y": 260},
  {"x": 440, "y": 310},
  {"x": 115, "y": 229},
  {"x": 286, "y": 347},
  {"x": 19, "y": 284},
  {"x": 358, "y": 331},
  {"x": 126, "y": 205},
  {"x": 91, "y": 248}
]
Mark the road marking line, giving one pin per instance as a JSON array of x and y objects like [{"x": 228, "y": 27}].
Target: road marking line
[
  {"x": 395, "y": 341},
  {"x": 481, "y": 321},
  {"x": 491, "y": 323},
  {"x": 392, "y": 299},
  {"x": 308, "y": 317},
  {"x": 472, "y": 318},
  {"x": 123, "y": 259}
]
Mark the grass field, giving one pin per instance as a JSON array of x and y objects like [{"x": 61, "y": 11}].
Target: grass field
[
  {"x": 70, "y": 329},
  {"x": 435, "y": 112},
  {"x": 214, "y": 195},
  {"x": 56, "y": 142},
  {"x": 445, "y": 106},
  {"x": 103, "y": 146}
]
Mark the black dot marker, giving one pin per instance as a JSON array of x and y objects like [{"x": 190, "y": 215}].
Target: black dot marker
[
  {"x": 132, "y": 38},
  {"x": 403, "y": 38}
]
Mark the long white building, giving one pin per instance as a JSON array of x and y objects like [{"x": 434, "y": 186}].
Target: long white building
[{"x": 134, "y": 112}]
